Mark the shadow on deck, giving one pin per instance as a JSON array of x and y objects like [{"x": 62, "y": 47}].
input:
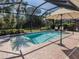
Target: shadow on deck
[{"x": 72, "y": 53}]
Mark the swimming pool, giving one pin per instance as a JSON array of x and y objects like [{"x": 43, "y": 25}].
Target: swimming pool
[{"x": 40, "y": 37}]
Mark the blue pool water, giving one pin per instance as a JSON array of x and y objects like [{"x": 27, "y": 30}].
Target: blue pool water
[{"x": 40, "y": 37}]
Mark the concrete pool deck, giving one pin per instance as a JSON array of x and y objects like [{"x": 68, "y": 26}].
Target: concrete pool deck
[{"x": 48, "y": 50}]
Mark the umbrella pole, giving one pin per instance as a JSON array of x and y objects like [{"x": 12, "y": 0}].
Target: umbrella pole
[
  {"x": 61, "y": 31},
  {"x": 74, "y": 26}
]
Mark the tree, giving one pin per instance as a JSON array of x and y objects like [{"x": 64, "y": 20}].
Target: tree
[
  {"x": 31, "y": 9},
  {"x": 12, "y": 21},
  {"x": 2, "y": 24}
]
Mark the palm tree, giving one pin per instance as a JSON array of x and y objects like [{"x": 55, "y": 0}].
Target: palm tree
[
  {"x": 2, "y": 23},
  {"x": 21, "y": 14},
  {"x": 7, "y": 14},
  {"x": 12, "y": 21}
]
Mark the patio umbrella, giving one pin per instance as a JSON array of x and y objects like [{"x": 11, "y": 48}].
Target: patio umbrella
[
  {"x": 75, "y": 2},
  {"x": 66, "y": 13},
  {"x": 61, "y": 14},
  {"x": 69, "y": 4}
]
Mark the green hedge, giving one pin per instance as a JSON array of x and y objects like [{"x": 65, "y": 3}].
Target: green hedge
[
  {"x": 69, "y": 26},
  {"x": 11, "y": 31}
]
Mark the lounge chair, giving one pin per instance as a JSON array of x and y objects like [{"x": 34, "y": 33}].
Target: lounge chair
[{"x": 74, "y": 54}]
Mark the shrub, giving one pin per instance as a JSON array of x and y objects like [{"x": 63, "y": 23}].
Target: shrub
[
  {"x": 11, "y": 31},
  {"x": 20, "y": 31},
  {"x": 69, "y": 26},
  {"x": 0, "y": 32},
  {"x": 3, "y": 32}
]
